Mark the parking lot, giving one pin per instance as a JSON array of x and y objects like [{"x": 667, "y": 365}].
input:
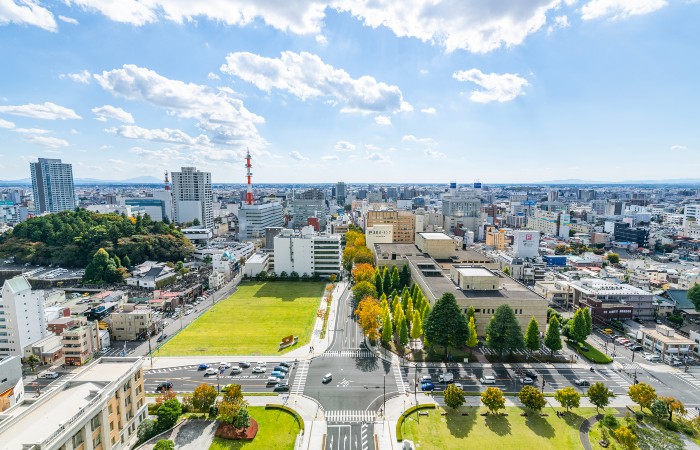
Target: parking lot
[{"x": 50, "y": 272}]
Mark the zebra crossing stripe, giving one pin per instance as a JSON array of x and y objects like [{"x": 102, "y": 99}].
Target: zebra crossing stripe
[
  {"x": 343, "y": 416},
  {"x": 365, "y": 444},
  {"x": 399, "y": 380},
  {"x": 689, "y": 379},
  {"x": 348, "y": 354},
  {"x": 300, "y": 379}
]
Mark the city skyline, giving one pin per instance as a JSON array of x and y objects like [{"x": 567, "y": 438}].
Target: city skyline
[{"x": 552, "y": 90}]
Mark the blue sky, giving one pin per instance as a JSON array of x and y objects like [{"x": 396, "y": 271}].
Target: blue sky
[{"x": 410, "y": 91}]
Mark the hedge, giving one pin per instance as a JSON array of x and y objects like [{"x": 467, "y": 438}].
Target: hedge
[
  {"x": 592, "y": 354},
  {"x": 296, "y": 415},
  {"x": 399, "y": 424}
]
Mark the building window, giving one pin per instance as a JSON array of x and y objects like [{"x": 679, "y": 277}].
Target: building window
[
  {"x": 109, "y": 409},
  {"x": 95, "y": 423},
  {"x": 77, "y": 439},
  {"x": 97, "y": 441},
  {"x": 111, "y": 426}
]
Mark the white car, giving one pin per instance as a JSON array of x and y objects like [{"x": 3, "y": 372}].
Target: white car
[
  {"x": 211, "y": 371},
  {"x": 272, "y": 380},
  {"x": 259, "y": 369},
  {"x": 487, "y": 379},
  {"x": 49, "y": 375},
  {"x": 526, "y": 380},
  {"x": 261, "y": 364},
  {"x": 225, "y": 365}
]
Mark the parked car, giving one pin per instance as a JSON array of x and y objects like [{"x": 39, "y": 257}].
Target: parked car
[
  {"x": 285, "y": 364},
  {"x": 526, "y": 380},
  {"x": 427, "y": 386},
  {"x": 244, "y": 364},
  {"x": 164, "y": 386},
  {"x": 426, "y": 379},
  {"x": 581, "y": 382},
  {"x": 446, "y": 377},
  {"x": 327, "y": 378},
  {"x": 258, "y": 369},
  {"x": 653, "y": 358},
  {"x": 225, "y": 365},
  {"x": 279, "y": 387},
  {"x": 162, "y": 337},
  {"x": 278, "y": 374},
  {"x": 210, "y": 371},
  {"x": 531, "y": 373},
  {"x": 272, "y": 380},
  {"x": 487, "y": 379},
  {"x": 235, "y": 370},
  {"x": 281, "y": 369},
  {"x": 49, "y": 375},
  {"x": 203, "y": 367}
]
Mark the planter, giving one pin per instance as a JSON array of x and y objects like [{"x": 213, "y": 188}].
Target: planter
[{"x": 228, "y": 431}]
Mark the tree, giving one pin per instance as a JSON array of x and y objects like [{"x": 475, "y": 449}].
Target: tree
[
  {"x": 368, "y": 313},
  {"x": 404, "y": 276},
  {"x": 613, "y": 258},
  {"x": 241, "y": 419},
  {"x": 694, "y": 295},
  {"x": 146, "y": 430},
  {"x": 532, "y": 398},
  {"x": 386, "y": 282},
  {"x": 626, "y": 437},
  {"x": 553, "y": 337},
  {"x": 673, "y": 405},
  {"x": 503, "y": 332},
  {"x": 493, "y": 399},
  {"x": 454, "y": 396},
  {"x": 168, "y": 414},
  {"x": 658, "y": 409},
  {"x": 232, "y": 392},
  {"x": 568, "y": 398},
  {"x": 506, "y": 270},
  {"x": 395, "y": 278},
  {"x": 403, "y": 332},
  {"x": 203, "y": 397},
  {"x": 387, "y": 330},
  {"x": 378, "y": 283},
  {"x": 446, "y": 325},
  {"x": 363, "y": 272},
  {"x": 588, "y": 319},
  {"x": 642, "y": 394},
  {"x": 164, "y": 444},
  {"x": 33, "y": 361},
  {"x": 409, "y": 309},
  {"x": 196, "y": 222},
  {"x": 471, "y": 314},
  {"x": 578, "y": 330},
  {"x": 472, "y": 338},
  {"x": 101, "y": 268},
  {"x": 532, "y": 335},
  {"x": 599, "y": 395},
  {"x": 363, "y": 289},
  {"x": 126, "y": 261},
  {"x": 416, "y": 325}
]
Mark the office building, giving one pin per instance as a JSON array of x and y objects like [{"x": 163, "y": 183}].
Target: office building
[
  {"x": 254, "y": 219},
  {"x": 192, "y": 197},
  {"x": 438, "y": 245},
  {"x": 340, "y": 192},
  {"x": 608, "y": 300},
  {"x": 309, "y": 204},
  {"x": 100, "y": 408},
  {"x": 625, "y": 233},
  {"x": 554, "y": 223},
  {"x": 158, "y": 206},
  {"x": 11, "y": 384},
  {"x": 403, "y": 222},
  {"x": 22, "y": 317},
  {"x": 52, "y": 185},
  {"x": 307, "y": 252},
  {"x": 526, "y": 244},
  {"x": 80, "y": 343}
]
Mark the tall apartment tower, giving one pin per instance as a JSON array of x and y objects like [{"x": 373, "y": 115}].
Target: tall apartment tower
[
  {"x": 192, "y": 197},
  {"x": 340, "y": 192},
  {"x": 52, "y": 184},
  {"x": 23, "y": 321}
]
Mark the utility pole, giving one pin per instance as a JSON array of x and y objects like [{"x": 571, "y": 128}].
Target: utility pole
[{"x": 384, "y": 408}]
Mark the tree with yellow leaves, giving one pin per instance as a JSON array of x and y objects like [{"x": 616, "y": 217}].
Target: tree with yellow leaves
[{"x": 369, "y": 313}]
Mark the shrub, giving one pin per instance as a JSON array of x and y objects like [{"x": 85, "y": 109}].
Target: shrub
[
  {"x": 610, "y": 421},
  {"x": 673, "y": 426}
]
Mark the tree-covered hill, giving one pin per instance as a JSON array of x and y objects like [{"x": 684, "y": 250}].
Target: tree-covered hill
[{"x": 70, "y": 238}]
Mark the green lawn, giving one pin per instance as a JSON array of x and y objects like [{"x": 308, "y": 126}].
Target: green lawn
[
  {"x": 252, "y": 321},
  {"x": 277, "y": 431},
  {"x": 454, "y": 431},
  {"x": 592, "y": 354}
]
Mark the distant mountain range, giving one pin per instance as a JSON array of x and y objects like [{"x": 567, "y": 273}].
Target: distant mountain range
[
  {"x": 83, "y": 181},
  {"x": 666, "y": 181}
]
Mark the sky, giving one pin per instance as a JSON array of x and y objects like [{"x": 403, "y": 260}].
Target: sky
[{"x": 353, "y": 90}]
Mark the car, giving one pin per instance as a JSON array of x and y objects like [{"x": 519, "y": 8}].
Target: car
[
  {"x": 658, "y": 321},
  {"x": 526, "y": 380},
  {"x": 236, "y": 370},
  {"x": 49, "y": 375},
  {"x": 258, "y": 369},
  {"x": 281, "y": 369},
  {"x": 210, "y": 371},
  {"x": 162, "y": 337},
  {"x": 203, "y": 367},
  {"x": 446, "y": 377},
  {"x": 584, "y": 348},
  {"x": 164, "y": 386},
  {"x": 278, "y": 374},
  {"x": 279, "y": 387},
  {"x": 273, "y": 380},
  {"x": 487, "y": 379},
  {"x": 581, "y": 382},
  {"x": 531, "y": 374},
  {"x": 653, "y": 358},
  {"x": 636, "y": 348},
  {"x": 327, "y": 378},
  {"x": 426, "y": 379},
  {"x": 225, "y": 365},
  {"x": 285, "y": 364},
  {"x": 261, "y": 364},
  {"x": 427, "y": 386},
  {"x": 244, "y": 364},
  {"x": 459, "y": 385}
]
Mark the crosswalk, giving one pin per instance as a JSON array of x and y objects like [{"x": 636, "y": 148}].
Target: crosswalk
[
  {"x": 348, "y": 354},
  {"x": 169, "y": 369},
  {"x": 616, "y": 377},
  {"x": 488, "y": 351},
  {"x": 300, "y": 380},
  {"x": 364, "y": 436},
  {"x": 344, "y": 416},
  {"x": 400, "y": 384},
  {"x": 688, "y": 378}
]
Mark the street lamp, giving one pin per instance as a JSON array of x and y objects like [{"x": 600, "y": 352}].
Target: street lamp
[{"x": 384, "y": 408}]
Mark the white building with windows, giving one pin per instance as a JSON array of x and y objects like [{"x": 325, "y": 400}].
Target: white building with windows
[
  {"x": 52, "y": 186},
  {"x": 192, "y": 197},
  {"x": 253, "y": 219},
  {"x": 306, "y": 252},
  {"x": 22, "y": 316}
]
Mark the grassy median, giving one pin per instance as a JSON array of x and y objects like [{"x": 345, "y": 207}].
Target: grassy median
[
  {"x": 252, "y": 321},
  {"x": 277, "y": 431}
]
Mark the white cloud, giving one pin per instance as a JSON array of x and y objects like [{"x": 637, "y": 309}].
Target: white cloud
[
  {"x": 559, "y": 22},
  {"x": 434, "y": 154},
  {"x": 298, "y": 156},
  {"x": 424, "y": 71},
  {"x": 81, "y": 77},
  {"x": 213, "y": 76},
  {"x": 216, "y": 112},
  {"x": 73, "y": 131},
  {"x": 329, "y": 158},
  {"x": 379, "y": 158},
  {"x": 46, "y": 141},
  {"x": 321, "y": 40},
  {"x": 26, "y": 12},
  {"x": 6, "y": 124},
  {"x": 478, "y": 26},
  {"x": 116, "y": 161},
  {"x": 159, "y": 135},
  {"x": 679, "y": 147},
  {"x": 383, "y": 120},
  {"x": 69, "y": 20},
  {"x": 32, "y": 131},
  {"x": 344, "y": 146},
  {"x": 412, "y": 138},
  {"x": 112, "y": 112},
  {"x": 46, "y": 110},
  {"x": 620, "y": 9},
  {"x": 306, "y": 76},
  {"x": 430, "y": 110},
  {"x": 496, "y": 87}
]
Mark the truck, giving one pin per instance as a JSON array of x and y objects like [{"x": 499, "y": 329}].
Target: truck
[{"x": 446, "y": 377}]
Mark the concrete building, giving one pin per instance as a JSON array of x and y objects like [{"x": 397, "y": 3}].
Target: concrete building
[
  {"x": 309, "y": 204},
  {"x": 11, "y": 384},
  {"x": 100, "y": 408},
  {"x": 49, "y": 350},
  {"x": 254, "y": 219},
  {"x": 608, "y": 300},
  {"x": 150, "y": 275},
  {"x": 80, "y": 343},
  {"x": 52, "y": 186},
  {"x": 526, "y": 244},
  {"x": 306, "y": 252},
  {"x": 216, "y": 280},
  {"x": 9, "y": 213},
  {"x": 157, "y": 207},
  {"x": 438, "y": 245},
  {"x": 403, "y": 223},
  {"x": 663, "y": 340},
  {"x": 22, "y": 317},
  {"x": 131, "y": 325},
  {"x": 340, "y": 193},
  {"x": 259, "y": 262},
  {"x": 192, "y": 197},
  {"x": 379, "y": 234},
  {"x": 554, "y": 223}
]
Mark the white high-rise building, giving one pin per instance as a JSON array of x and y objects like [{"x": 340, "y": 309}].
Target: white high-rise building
[
  {"x": 253, "y": 219},
  {"x": 22, "y": 317},
  {"x": 52, "y": 184},
  {"x": 192, "y": 197},
  {"x": 307, "y": 252}
]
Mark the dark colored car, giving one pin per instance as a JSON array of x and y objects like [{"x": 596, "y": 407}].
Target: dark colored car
[
  {"x": 279, "y": 387},
  {"x": 286, "y": 364},
  {"x": 164, "y": 386},
  {"x": 281, "y": 369},
  {"x": 581, "y": 382},
  {"x": 203, "y": 367},
  {"x": 427, "y": 386},
  {"x": 244, "y": 364},
  {"x": 162, "y": 337},
  {"x": 531, "y": 373}
]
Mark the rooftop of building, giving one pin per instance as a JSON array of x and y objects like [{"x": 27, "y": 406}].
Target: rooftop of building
[
  {"x": 258, "y": 258},
  {"x": 397, "y": 249},
  {"x": 435, "y": 236},
  {"x": 18, "y": 284},
  {"x": 474, "y": 271},
  {"x": 660, "y": 333},
  {"x": 596, "y": 286}
]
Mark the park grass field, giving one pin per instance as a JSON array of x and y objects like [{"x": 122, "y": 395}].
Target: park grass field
[
  {"x": 277, "y": 431},
  {"x": 252, "y": 321},
  {"x": 514, "y": 432}
]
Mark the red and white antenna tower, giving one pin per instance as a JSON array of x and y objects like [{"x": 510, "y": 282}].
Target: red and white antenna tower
[
  {"x": 167, "y": 182},
  {"x": 249, "y": 175}
]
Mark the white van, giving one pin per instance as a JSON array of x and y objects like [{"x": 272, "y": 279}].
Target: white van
[
  {"x": 49, "y": 374},
  {"x": 446, "y": 377},
  {"x": 487, "y": 379}
]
